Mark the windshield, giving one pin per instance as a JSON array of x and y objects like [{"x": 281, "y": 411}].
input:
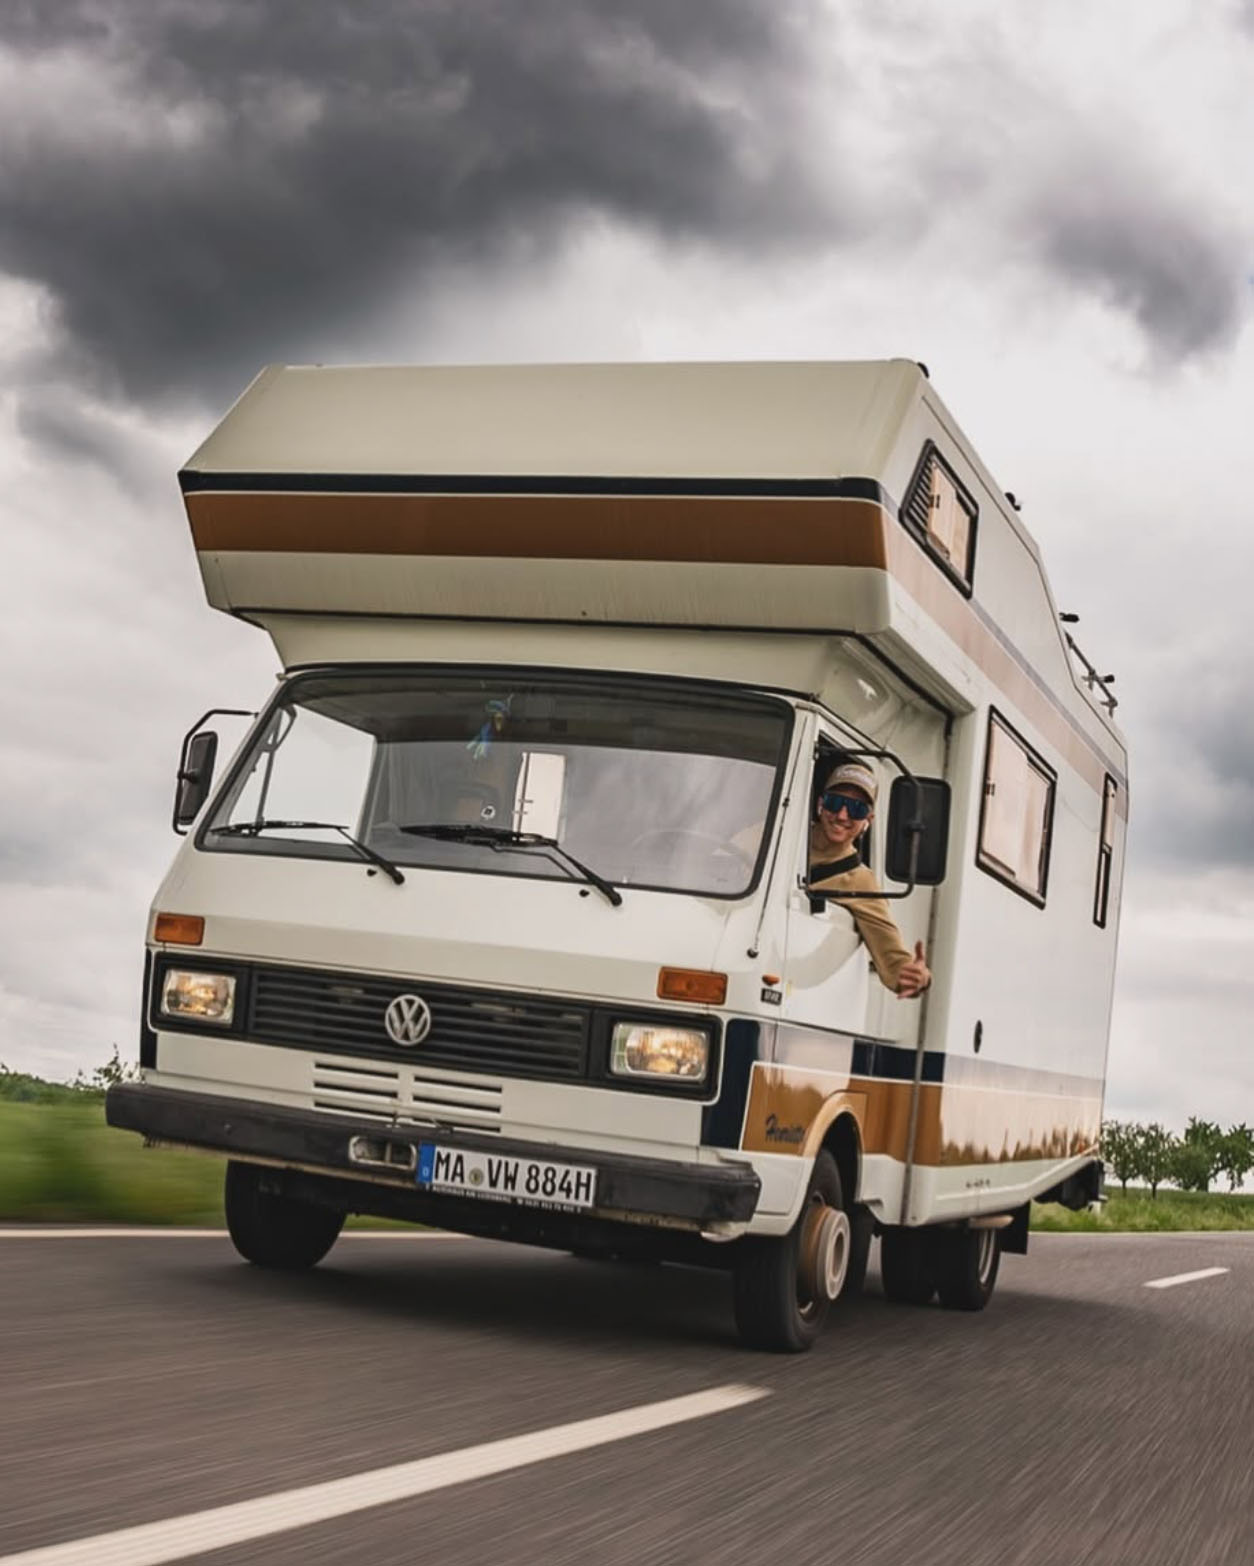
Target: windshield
[{"x": 651, "y": 784}]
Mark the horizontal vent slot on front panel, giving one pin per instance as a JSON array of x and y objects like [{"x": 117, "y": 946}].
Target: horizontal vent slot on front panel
[
  {"x": 447, "y": 1093},
  {"x": 446, "y": 1109},
  {"x": 376, "y": 1073},
  {"x": 322, "y": 1085},
  {"x": 337, "y": 1107}
]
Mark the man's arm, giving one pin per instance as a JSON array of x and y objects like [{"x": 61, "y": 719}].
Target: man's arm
[{"x": 904, "y": 972}]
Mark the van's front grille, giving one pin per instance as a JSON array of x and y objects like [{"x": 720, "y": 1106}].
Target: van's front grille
[{"x": 486, "y": 1031}]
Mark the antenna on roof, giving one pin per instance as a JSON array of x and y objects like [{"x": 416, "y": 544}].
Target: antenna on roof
[
  {"x": 1010, "y": 496},
  {"x": 1069, "y": 619},
  {"x": 926, "y": 372}
]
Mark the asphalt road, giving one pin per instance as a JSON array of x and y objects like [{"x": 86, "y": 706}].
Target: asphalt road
[{"x": 1082, "y": 1418}]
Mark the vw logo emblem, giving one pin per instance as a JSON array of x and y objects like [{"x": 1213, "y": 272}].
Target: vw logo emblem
[{"x": 407, "y": 1019}]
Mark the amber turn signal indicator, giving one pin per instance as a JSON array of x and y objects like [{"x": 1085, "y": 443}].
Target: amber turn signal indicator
[
  {"x": 692, "y": 984},
  {"x": 179, "y": 929}
]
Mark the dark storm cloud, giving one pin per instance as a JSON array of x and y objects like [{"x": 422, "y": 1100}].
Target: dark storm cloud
[
  {"x": 222, "y": 184},
  {"x": 54, "y": 417},
  {"x": 1193, "y": 783},
  {"x": 1115, "y": 232}
]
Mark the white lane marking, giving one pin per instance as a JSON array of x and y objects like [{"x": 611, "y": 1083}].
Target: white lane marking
[
  {"x": 151, "y": 1544},
  {"x": 156, "y": 1231},
  {"x": 1185, "y": 1277}
]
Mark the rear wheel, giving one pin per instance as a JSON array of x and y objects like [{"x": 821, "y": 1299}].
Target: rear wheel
[
  {"x": 271, "y": 1229},
  {"x": 966, "y": 1267},
  {"x": 906, "y": 1266},
  {"x": 784, "y": 1288}
]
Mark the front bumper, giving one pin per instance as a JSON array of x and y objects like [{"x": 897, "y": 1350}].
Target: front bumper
[{"x": 629, "y": 1189}]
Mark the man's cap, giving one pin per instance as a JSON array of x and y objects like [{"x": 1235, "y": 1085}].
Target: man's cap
[{"x": 853, "y": 775}]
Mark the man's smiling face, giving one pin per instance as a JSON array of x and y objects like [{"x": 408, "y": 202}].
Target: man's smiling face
[{"x": 838, "y": 826}]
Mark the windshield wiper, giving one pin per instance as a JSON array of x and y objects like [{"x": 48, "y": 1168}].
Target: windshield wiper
[
  {"x": 499, "y": 838},
  {"x": 253, "y": 828}
]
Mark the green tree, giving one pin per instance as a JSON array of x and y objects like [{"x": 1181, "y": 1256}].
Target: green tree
[
  {"x": 1198, "y": 1156},
  {"x": 1121, "y": 1149},
  {"x": 1236, "y": 1151},
  {"x": 1154, "y": 1156}
]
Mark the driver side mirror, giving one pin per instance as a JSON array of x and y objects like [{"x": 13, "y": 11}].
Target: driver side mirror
[
  {"x": 195, "y": 778},
  {"x": 918, "y": 831}
]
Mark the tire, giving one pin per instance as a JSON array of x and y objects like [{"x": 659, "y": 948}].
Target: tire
[
  {"x": 270, "y": 1229},
  {"x": 906, "y": 1266},
  {"x": 784, "y": 1288},
  {"x": 966, "y": 1262}
]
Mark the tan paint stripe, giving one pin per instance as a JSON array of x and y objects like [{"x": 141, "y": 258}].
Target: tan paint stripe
[
  {"x": 547, "y": 527},
  {"x": 765, "y": 531},
  {"x": 791, "y": 1109},
  {"x": 927, "y": 586}
]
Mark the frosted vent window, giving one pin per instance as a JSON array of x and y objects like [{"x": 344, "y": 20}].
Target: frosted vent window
[
  {"x": 942, "y": 516},
  {"x": 948, "y": 521},
  {"x": 1017, "y": 812}
]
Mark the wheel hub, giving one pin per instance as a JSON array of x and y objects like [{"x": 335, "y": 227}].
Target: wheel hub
[{"x": 824, "y": 1256}]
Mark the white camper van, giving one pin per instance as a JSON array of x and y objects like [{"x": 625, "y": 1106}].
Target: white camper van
[{"x": 499, "y": 919}]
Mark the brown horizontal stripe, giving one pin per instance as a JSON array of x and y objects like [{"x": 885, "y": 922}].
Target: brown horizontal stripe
[
  {"x": 978, "y": 1127},
  {"x": 713, "y": 530},
  {"x": 790, "y": 1111},
  {"x": 760, "y": 531}
]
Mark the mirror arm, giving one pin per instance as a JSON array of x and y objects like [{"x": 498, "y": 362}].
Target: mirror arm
[{"x": 214, "y": 712}]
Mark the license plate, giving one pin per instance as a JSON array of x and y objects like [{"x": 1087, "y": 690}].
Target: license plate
[{"x": 537, "y": 1182}]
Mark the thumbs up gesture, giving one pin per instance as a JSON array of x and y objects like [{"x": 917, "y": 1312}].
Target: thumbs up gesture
[{"x": 915, "y": 975}]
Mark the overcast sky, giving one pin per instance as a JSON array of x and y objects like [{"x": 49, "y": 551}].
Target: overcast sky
[{"x": 1053, "y": 206}]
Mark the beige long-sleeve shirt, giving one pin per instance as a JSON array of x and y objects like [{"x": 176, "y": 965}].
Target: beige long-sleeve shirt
[{"x": 875, "y": 924}]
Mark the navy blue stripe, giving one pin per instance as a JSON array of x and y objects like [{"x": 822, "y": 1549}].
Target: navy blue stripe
[
  {"x": 193, "y": 481},
  {"x": 896, "y": 1062},
  {"x": 721, "y": 1121},
  {"x": 147, "y": 1038},
  {"x": 823, "y": 1049}
]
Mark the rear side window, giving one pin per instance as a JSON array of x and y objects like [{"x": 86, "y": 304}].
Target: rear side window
[
  {"x": 1016, "y": 813},
  {"x": 942, "y": 515},
  {"x": 1105, "y": 852}
]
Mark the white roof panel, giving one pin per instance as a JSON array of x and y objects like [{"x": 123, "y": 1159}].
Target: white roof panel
[{"x": 730, "y": 421}]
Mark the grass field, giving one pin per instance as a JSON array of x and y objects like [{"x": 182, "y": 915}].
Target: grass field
[
  {"x": 1139, "y": 1212},
  {"x": 60, "y": 1163}
]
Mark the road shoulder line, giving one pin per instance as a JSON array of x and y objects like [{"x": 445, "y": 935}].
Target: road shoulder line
[
  {"x": 1186, "y": 1277},
  {"x": 196, "y": 1533}
]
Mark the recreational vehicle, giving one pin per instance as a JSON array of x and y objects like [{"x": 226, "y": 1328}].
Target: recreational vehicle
[{"x": 503, "y": 917}]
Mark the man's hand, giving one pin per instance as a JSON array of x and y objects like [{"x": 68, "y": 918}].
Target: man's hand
[{"x": 915, "y": 976}]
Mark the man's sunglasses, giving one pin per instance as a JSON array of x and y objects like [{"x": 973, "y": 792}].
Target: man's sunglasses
[{"x": 857, "y": 809}]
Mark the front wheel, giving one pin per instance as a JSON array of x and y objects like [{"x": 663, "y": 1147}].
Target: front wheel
[
  {"x": 271, "y": 1229},
  {"x": 784, "y": 1288}
]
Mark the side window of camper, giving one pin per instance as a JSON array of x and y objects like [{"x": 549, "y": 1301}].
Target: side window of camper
[
  {"x": 942, "y": 515},
  {"x": 1016, "y": 813},
  {"x": 1105, "y": 853}
]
